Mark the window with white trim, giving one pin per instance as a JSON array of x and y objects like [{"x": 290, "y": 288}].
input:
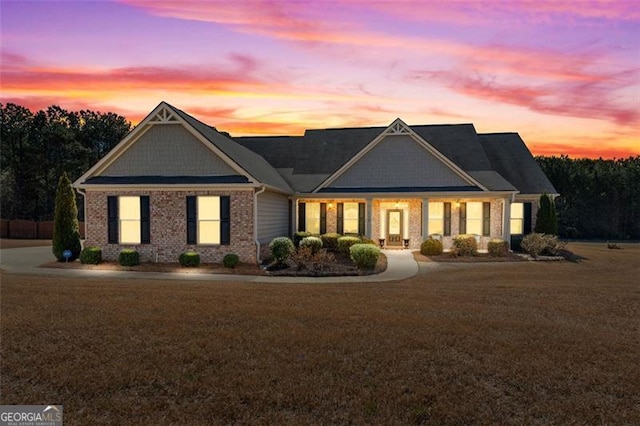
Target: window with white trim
[
  {"x": 351, "y": 221},
  {"x": 474, "y": 218},
  {"x": 312, "y": 218},
  {"x": 208, "y": 219},
  {"x": 436, "y": 218}
]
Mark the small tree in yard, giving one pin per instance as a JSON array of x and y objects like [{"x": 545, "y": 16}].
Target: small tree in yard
[
  {"x": 546, "y": 218},
  {"x": 66, "y": 233}
]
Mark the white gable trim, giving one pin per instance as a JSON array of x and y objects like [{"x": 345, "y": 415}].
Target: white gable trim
[
  {"x": 399, "y": 127},
  {"x": 161, "y": 115}
]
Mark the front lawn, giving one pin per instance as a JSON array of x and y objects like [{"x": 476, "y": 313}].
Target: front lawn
[{"x": 507, "y": 343}]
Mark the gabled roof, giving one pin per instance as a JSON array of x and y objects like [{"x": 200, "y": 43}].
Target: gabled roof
[{"x": 250, "y": 166}]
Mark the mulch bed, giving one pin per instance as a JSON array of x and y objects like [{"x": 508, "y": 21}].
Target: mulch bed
[{"x": 342, "y": 267}]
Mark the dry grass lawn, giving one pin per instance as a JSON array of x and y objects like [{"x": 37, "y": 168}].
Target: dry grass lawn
[{"x": 507, "y": 343}]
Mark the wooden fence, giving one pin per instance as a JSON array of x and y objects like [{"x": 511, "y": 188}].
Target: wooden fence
[{"x": 29, "y": 229}]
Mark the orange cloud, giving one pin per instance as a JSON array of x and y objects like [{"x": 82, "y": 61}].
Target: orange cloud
[{"x": 580, "y": 151}]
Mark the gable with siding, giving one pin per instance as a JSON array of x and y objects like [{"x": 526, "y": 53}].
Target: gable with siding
[{"x": 399, "y": 161}]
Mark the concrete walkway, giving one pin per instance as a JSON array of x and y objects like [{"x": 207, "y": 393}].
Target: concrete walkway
[{"x": 26, "y": 261}]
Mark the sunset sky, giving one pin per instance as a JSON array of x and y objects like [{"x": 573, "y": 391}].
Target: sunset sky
[{"x": 565, "y": 75}]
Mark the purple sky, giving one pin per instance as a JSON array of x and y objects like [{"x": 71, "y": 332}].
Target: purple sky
[{"x": 565, "y": 75}]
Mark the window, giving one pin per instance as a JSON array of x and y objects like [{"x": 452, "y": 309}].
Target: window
[
  {"x": 129, "y": 208},
  {"x": 517, "y": 219},
  {"x": 208, "y": 219},
  {"x": 312, "y": 218},
  {"x": 475, "y": 218},
  {"x": 436, "y": 218},
  {"x": 351, "y": 218},
  {"x": 128, "y": 220}
]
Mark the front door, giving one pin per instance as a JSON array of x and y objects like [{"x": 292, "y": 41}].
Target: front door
[{"x": 394, "y": 228}]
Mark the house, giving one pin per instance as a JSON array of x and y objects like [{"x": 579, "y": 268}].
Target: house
[{"x": 175, "y": 184}]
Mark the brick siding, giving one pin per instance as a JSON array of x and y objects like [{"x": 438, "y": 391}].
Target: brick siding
[{"x": 169, "y": 226}]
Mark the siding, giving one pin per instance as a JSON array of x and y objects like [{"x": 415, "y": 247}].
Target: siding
[
  {"x": 398, "y": 161},
  {"x": 168, "y": 150},
  {"x": 273, "y": 216}
]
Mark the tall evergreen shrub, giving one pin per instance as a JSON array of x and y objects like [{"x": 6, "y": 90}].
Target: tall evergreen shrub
[
  {"x": 546, "y": 218},
  {"x": 66, "y": 233}
]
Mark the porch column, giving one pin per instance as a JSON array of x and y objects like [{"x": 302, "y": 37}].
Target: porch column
[
  {"x": 506, "y": 220},
  {"x": 425, "y": 218},
  {"x": 369, "y": 217},
  {"x": 294, "y": 217}
]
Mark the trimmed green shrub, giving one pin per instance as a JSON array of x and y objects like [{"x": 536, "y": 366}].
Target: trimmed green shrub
[
  {"x": 541, "y": 244},
  {"x": 314, "y": 243},
  {"x": 345, "y": 243},
  {"x": 431, "y": 247},
  {"x": 298, "y": 236},
  {"x": 465, "y": 245},
  {"x": 230, "y": 260},
  {"x": 189, "y": 259},
  {"x": 498, "y": 248},
  {"x": 365, "y": 256},
  {"x": 91, "y": 255},
  {"x": 546, "y": 218},
  {"x": 66, "y": 233},
  {"x": 330, "y": 241},
  {"x": 281, "y": 248},
  {"x": 129, "y": 257}
]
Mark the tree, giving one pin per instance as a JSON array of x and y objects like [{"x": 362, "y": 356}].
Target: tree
[
  {"x": 546, "y": 218},
  {"x": 66, "y": 233}
]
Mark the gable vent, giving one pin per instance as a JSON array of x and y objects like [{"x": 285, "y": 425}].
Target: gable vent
[{"x": 164, "y": 116}]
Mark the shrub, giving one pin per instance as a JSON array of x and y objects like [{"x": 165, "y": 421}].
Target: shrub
[
  {"x": 465, "y": 245},
  {"x": 330, "y": 241},
  {"x": 230, "y": 260},
  {"x": 431, "y": 247},
  {"x": 91, "y": 255},
  {"x": 306, "y": 259},
  {"x": 129, "y": 257},
  {"x": 66, "y": 233},
  {"x": 345, "y": 243},
  {"x": 281, "y": 248},
  {"x": 189, "y": 259},
  {"x": 298, "y": 236},
  {"x": 546, "y": 218},
  {"x": 365, "y": 256},
  {"x": 314, "y": 242},
  {"x": 541, "y": 244},
  {"x": 367, "y": 240},
  {"x": 498, "y": 248}
]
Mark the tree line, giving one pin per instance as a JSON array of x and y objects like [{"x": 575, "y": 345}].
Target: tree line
[
  {"x": 38, "y": 147},
  {"x": 598, "y": 198}
]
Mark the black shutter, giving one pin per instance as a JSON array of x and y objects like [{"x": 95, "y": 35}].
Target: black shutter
[
  {"x": 486, "y": 219},
  {"x": 361, "y": 218},
  {"x": 192, "y": 220},
  {"x": 302, "y": 218},
  {"x": 112, "y": 221},
  {"x": 447, "y": 218},
  {"x": 225, "y": 220},
  {"x": 340, "y": 218},
  {"x": 145, "y": 220},
  {"x": 526, "y": 226},
  {"x": 463, "y": 218},
  {"x": 323, "y": 218}
]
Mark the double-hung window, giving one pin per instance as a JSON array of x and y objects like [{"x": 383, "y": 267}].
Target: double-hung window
[
  {"x": 128, "y": 220},
  {"x": 440, "y": 218},
  {"x": 475, "y": 218},
  {"x": 517, "y": 219},
  {"x": 208, "y": 219}
]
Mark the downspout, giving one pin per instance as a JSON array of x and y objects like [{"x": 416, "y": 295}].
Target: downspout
[
  {"x": 255, "y": 221},
  {"x": 84, "y": 209}
]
